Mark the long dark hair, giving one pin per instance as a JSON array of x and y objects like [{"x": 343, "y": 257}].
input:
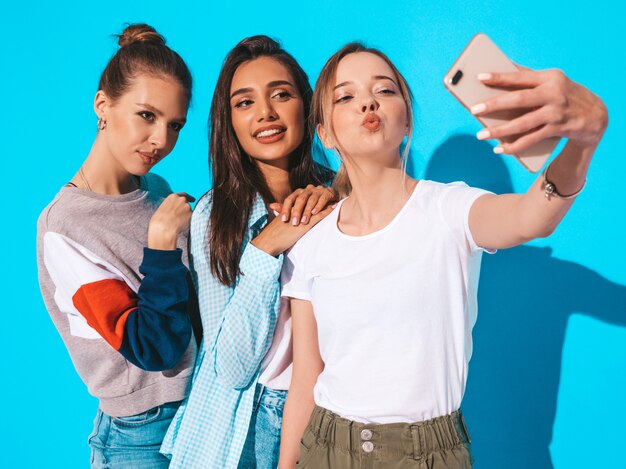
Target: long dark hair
[{"x": 236, "y": 178}]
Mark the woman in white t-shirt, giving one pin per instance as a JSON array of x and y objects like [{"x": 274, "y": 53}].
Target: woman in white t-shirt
[{"x": 384, "y": 289}]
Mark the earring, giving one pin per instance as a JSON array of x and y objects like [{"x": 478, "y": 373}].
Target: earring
[{"x": 102, "y": 124}]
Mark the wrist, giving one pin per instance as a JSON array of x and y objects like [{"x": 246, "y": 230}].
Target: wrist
[
  {"x": 265, "y": 244},
  {"x": 162, "y": 238},
  {"x": 551, "y": 189},
  {"x": 287, "y": 460},
  {"x": 596, "y": 124}
]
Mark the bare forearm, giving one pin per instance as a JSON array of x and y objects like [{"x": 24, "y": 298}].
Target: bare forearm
[
  {"x": 266, "y": 242},
  {"x": 298, "y": 409},
  {"x": 558, "y": 107},
  {"x": 568, "y": 171},
  {"x": 505, "y": 221},
  {"x": 307, "y": 365},
  {"x": 540, "y": 215}
]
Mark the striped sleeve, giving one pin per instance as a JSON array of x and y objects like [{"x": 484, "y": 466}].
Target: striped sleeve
[{"x": 150, "y": 326}]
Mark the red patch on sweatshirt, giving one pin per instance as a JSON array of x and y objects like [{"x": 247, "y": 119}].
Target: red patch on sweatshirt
[{"x": 105, "y": 305}]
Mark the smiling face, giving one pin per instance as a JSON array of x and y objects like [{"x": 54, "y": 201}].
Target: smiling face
[
  {"x": 143, "y": 124},
  {"x": 369, "y": 112},
  {"x": 267, "y": 111}
]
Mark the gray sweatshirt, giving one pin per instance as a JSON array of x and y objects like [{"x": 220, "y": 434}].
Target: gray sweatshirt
[{"x": 123, "y": 310}]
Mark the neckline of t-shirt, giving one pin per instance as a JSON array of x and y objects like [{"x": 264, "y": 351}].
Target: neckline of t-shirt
[
  {"x": 129, "y": 196},
  {"x": 385, "y": 228}
]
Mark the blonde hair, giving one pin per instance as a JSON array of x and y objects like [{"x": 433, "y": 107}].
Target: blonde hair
[{"x": 322, "y": 105}]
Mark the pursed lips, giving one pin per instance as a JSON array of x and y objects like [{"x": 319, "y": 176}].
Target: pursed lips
[{"x": 371, "y": 122}]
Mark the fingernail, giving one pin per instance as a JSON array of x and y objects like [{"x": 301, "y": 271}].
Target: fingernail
[
  {"x": 303, "y": 219},
  {"x": 284, "y": 218},
  {"x": 483, "y": 134},
  {"x": 498, "y": 150},
  {"x": 478, "y": 108},
  {"x": 484, "y": 76},
  {"x": 275, "y": 213},
  {"x": 294, "y": 221},
  {"x": 334, "y": 205},
  {"x": 314, "y": 211}
]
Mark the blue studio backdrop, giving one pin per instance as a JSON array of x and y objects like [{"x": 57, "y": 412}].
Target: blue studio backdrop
[{"x": 547, "y": 379}]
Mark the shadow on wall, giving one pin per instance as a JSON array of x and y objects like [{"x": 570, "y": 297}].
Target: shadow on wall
[{"x": 525, "y": 299}]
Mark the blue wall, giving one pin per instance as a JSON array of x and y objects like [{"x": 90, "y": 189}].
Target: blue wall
[{"x": 547, "y": 380}]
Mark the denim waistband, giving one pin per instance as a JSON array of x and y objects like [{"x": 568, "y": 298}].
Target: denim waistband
[{"x": 269, "y": 397}]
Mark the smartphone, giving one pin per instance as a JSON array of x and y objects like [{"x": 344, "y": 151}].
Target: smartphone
[{"x": 481, "y": 55}]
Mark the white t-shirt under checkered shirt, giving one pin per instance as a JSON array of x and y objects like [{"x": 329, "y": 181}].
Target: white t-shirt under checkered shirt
[{"x": 394, "y": 308}]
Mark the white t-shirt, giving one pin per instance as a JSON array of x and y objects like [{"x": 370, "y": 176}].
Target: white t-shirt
[
  {"x": 276, "y": 366},
  {"x": 394, "y": 308}
]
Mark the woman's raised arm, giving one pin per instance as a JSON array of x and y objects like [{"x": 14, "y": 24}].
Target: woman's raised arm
[{"x": 557, "y": 107}]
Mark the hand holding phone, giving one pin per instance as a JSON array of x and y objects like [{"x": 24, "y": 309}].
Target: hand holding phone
[{"x": 481, "y": 56}]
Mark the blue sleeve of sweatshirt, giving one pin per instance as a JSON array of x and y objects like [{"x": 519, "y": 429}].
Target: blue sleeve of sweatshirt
[{"x": 158, "y": 331}]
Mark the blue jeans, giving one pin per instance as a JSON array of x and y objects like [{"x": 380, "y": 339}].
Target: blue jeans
[
  {"x": 131, "y": 442},
  {"x": 262, "y": 445}
]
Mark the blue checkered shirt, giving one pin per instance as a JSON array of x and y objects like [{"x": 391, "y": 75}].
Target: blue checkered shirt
[{"x": 210, "y": 428}]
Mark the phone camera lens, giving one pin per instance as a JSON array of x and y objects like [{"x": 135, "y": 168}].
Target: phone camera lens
[{"x": 457, "y": 77}]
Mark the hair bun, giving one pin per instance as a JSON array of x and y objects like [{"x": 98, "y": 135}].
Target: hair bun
[{"x": 139, "y": 33}]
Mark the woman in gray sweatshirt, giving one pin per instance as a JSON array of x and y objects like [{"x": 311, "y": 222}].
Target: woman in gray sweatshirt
[{"x": 112, "y": 256}]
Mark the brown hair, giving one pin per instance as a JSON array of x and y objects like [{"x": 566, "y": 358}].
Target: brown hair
[
  {"x": 322, "y": 104},
  {"x": 142, "y": 50},
  {"x": 236, "y": 178}
]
